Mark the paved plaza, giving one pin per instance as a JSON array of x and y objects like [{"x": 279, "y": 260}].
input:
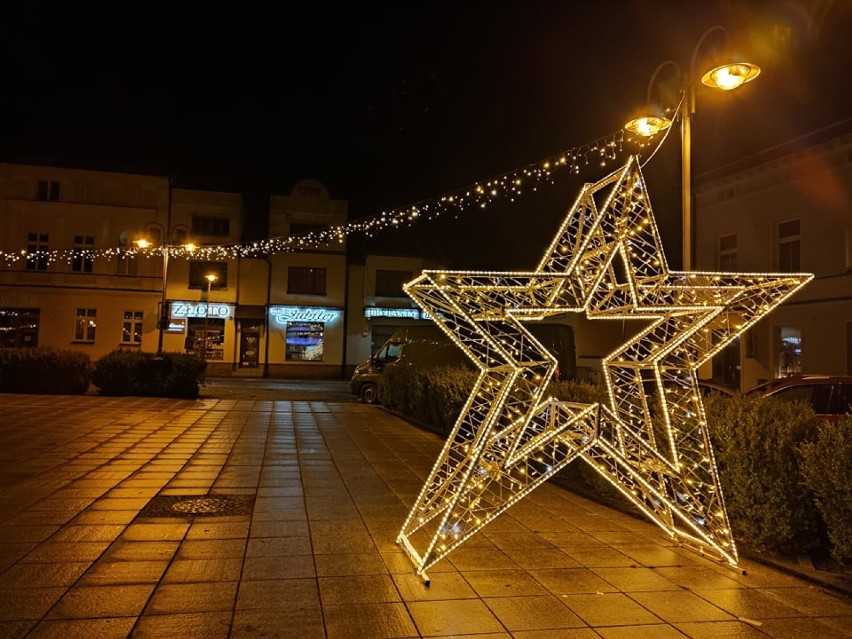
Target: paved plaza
[{"x": 229, "y": 517}]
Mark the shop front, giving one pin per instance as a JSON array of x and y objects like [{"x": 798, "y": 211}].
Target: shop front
[
  {"x": 305, "y": 341},
  {"x": 206, "y": 330}
]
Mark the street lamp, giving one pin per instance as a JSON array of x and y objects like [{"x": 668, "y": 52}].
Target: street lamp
[
  {"x": 210, "y": 277},
  {"x": 166, "y": 248},
  {"x": 726, "y": 77}
]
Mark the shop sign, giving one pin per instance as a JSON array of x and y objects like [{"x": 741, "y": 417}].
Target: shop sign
[
  {"x": 214, "y": 310},
  {"x": 283, "y": 314},
  {"x": 380, "y": 311}
]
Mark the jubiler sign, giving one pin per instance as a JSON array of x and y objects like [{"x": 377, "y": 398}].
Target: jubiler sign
[{"x": 284, "y": 314}]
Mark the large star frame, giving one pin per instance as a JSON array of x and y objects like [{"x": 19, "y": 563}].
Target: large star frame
[{"x": 650, "y": 439}]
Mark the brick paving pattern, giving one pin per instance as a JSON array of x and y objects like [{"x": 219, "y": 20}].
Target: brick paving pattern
[{"x": 312, "y": 496}]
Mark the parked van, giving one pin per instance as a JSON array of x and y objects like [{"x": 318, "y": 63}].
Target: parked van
[{"x": 428, "y": 346}]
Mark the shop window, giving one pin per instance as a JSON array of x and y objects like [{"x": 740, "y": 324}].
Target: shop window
[
  {"x": 304, "y": 341},
  {"x": 389, "y": 283},
  {"x": 788, "y": 349},
  {"x": 85, "y": 324},
  {"x": 198, "y": 272},
  {"x": 789, "y": 246},
  {"x": 37, "y": 251},
  {"x": 131, "y": 327},
  {"x": 728, "y": 253},
  {"x": 303, "y": 280},
  {"x": 82, "y": 261}
]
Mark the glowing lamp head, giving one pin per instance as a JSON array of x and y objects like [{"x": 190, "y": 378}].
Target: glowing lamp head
[
  {"x": 143, "y": 243},
  {"x": 189, "y": 247},
  {"x": 648, "y": 125},
  {"x": 730, "y": 76},
  {"x": 211, "y": 277}
]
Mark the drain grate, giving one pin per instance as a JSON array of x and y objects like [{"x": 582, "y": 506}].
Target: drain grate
[{"x": 198, "y": 505}]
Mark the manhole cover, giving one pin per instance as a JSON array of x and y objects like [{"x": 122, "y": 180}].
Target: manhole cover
[{"x": 198, "y": 505}]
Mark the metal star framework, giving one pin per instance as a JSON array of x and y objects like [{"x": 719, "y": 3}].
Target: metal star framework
[{"x": 650, "y": 439}]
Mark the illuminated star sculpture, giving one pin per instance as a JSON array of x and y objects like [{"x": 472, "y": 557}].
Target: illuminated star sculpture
[{"x": 650, "y": 439}]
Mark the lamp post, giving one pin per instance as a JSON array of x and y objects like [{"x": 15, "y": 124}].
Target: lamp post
[
  {"x": 210, "y": 277},
  {"x": 166, "y": 248},
  {"x": 726, "y": 77}
]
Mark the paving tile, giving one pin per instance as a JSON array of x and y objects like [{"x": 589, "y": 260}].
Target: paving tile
[
  {"x": 350, "y": 564},
  {"x": 200, "y": 570},
  {"x": 104, "y": 572},
  {"x": 572, "y": 581},
  {"x": 635, "y": 578},
  {"x": 603, "y": 557},
  {"x": 542, "y": 612},
  {"x": 725, "y": 630},
  {"x": 552, "y": 633},
  {"x": 21, "y": 604},
  {"x": 451, "y": 617},
  {"x": 102, "y": 628},
  {"x": 141, "y": 551},
  {"x": 289, "y": 623},
  {"x": 279, "y": 529},
  {"x": 198, "y": 625},
  {"x": 102, "y": 601},
  {"x": 357, "y": 589},
  {"x": 541, "y": 557},
  {"x": 680, "y": 606},
  {"x": 42, "y": 575},
  {"x": 656, "y": 631},
  {"x": 278, "y": 546},
  {"x": 89, "y": 532},
  {"x": 15, "y": 629},
  {"x": 446, "y": 585},
  {"x": 813, "y": 600},
  {"x": 278, "y": 593},
  {"x": 295, "y": 567},
  {"x": 704, "y": 577},
  {"x": 71, "y": 551},
  {"x": 193, "y": 597},
  {"x": 473, "y": 558},
  {"x": 503, "y": 583},
  {"x": 609, "y": 609},
  {"x": 808, "y": 628},
  {"x": 206, "y": 529},
  {"x": 749, "y": 603},
  {"x": 211, "y": 549},
  {"x": 155, "y": 532}
]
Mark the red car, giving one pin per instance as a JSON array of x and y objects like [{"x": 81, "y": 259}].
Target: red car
[{"x": 829, "y": 395}]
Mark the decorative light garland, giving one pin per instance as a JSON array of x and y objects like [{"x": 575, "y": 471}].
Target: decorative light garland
[
  {"x": 650, "y": 440},
  {"x": 510, "y": 186}
]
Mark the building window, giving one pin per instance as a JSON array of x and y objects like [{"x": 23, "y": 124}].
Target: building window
[
  {"x": 789, "y": 247},
  {"x": 304, "y": 341},
  {"x": 37, "y": 251},
  {"x": 131, "y": 327},
  {"x": 389, "y": 283},
  {"x": 198, "y": 272},
  {"x": 209, "y": 225},
  {"x": 304, "y": 280},
  {"x": 84, "y": 246},
  {"x": 788, "y": 346},
  {"x": 728, "y": 253},
  {"x": 19, "y": 327},
  {"x": 48, "y": 191},
  {"x": 85, "y": 325}
]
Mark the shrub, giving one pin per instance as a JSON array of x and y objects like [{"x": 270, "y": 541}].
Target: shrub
[
  {"x": 827, "y": 467},
  {"x": 44, "y": 370},
  {"x": 138, "y": 373},
  {"x": 756, "y": 443}
]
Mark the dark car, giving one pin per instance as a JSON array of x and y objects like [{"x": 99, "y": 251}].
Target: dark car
[{"x": 828, "y": 395}]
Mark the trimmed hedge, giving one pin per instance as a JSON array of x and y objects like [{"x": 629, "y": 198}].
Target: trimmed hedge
[
  {"x": 139, "y": 373},
  {"x": 784, "y": 471},
  {"x": 44, "y": 370},
  {"x": 827, "y": 469}
]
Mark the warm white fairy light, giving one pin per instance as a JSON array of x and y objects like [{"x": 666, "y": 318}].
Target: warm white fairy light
[
  {"x": 508, "y": 186},
  {"x": 509, "y": 438}
]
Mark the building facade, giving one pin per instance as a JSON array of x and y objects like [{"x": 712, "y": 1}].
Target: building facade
[
  {"x": 790, "y": 211},
  {"x": 98, "y": 261}
]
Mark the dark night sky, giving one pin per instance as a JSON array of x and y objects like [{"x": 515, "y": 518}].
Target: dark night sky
[{"x": 394, "y": 103}]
